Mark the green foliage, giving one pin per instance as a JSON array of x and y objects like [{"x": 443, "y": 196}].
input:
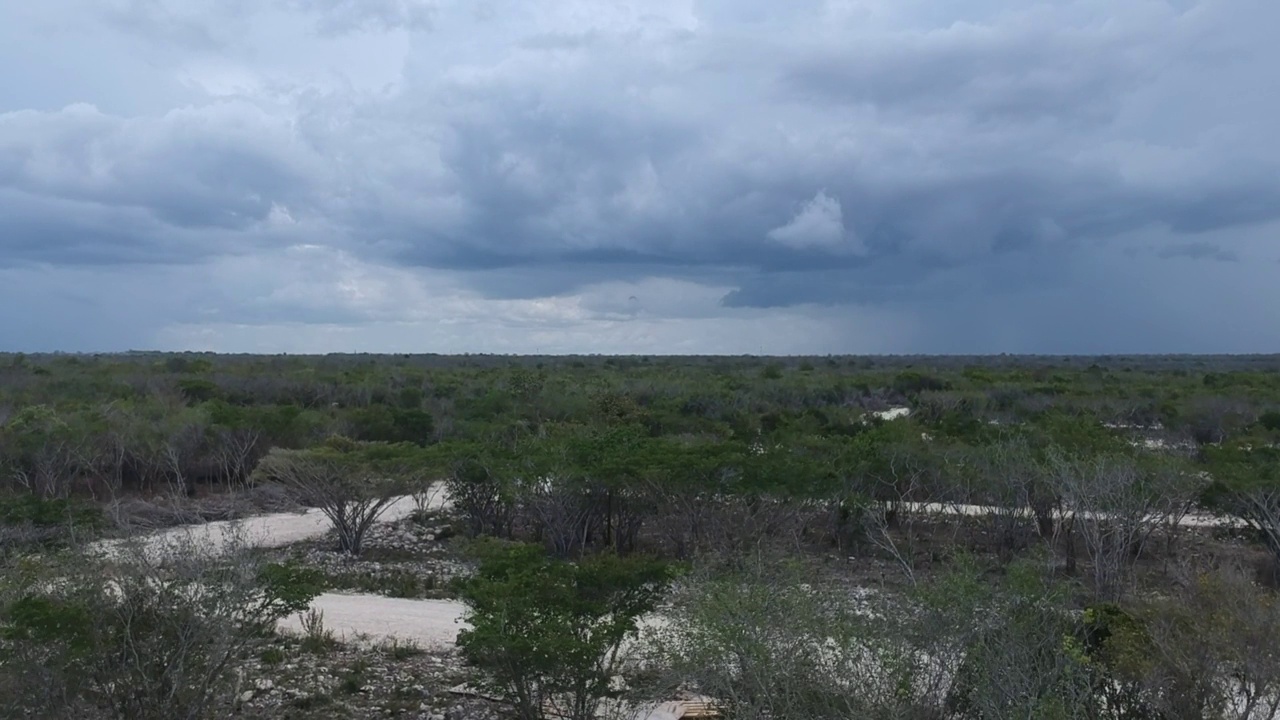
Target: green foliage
[
  {"x": 183, "y": 364},
  {"x": 49, "y": 513},
  {"x": 35, "y": 424},
  {"x": 403, "y": 649},
  {"x": 546, "y": 631},
  {"x": 289, "y": 587},
  {"x": 1117, "y": 638},
  {"x": 49, "y": 621},
  {"x": 354, "y": 678},
  {"x": 1080, "y": 435},
  {"x": 392, "y": 424},
  {"x": 913, "y": 382},
  {"x": 410, "y": 398},
  {"x": 316, "y": 638},
  {"x": 1246, "y": 484},
  {"x": 394, "y": 583},
  {"x": 198, "y": 390}
]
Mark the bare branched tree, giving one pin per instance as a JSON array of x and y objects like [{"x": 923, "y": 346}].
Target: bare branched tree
[
  {"x": 1114, "y": 505},
  {"x": 565, "y": 513},
  {"x": 233, "y": 451},
  {"x": 352, "y": 483}
]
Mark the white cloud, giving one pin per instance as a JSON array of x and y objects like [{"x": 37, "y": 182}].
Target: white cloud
[{"x": 818, "y": 225}]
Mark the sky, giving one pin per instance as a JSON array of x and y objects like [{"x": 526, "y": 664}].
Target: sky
[{"x": 640, "y": 176}]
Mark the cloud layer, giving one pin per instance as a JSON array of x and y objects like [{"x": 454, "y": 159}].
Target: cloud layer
[{"x": 662, "y": 176}]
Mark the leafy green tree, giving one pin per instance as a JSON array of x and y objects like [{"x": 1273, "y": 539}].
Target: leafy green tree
[
  {"x": 382, "y": 423},
  {"x": 547, "y": 633},
  {"x": 479, "y": 480},
  {"x": 198, "y": 390},
  {"x": 44, "y": 450},
  {"x": 912, "y": 382}
]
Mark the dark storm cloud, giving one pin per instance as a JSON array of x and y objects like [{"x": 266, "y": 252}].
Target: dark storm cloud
[
  {"x": 986, "y": 126},
  {"x": 1199, "y": 251},
  {"x": 885, "y": 154},
  {"x": 78, "y": 185}
]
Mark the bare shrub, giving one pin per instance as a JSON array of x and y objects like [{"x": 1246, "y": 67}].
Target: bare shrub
[
  {"x": 776, "y": 639},
  {"x": 146, "y": 632},
  {"x": 1114, "y": 504},
  {"x": 565, "y": 513},
  {"x": 426, "y": 496},
  {"x": 1210, "y": 650},
  {"x": 1018, "y": 661},
  {"x": 1003, "y": 480},
  {"x": 351, "y": 482}
]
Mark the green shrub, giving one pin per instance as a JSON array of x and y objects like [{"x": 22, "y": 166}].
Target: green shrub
[
  {"x": 545, "y": 632},
  {"x": 355, "y": 678},
  {"x": 394, "y": 583},
  {"x": 198, "y": 390},
  {"x": 912, "y": 382},
  {"x": 46, "y": 513}
]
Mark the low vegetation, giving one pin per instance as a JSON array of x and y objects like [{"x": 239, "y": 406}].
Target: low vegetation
[
  {"x": 955, "y": 538},
  {"x": 142, "y": 633}
]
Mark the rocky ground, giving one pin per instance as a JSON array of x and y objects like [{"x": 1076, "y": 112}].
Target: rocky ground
[
  {"x": 412, "y": 557},
  {"x": 302, "y": 678}
]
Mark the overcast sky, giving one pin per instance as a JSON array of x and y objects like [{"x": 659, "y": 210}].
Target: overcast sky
[{"x": 640, "y": 176}]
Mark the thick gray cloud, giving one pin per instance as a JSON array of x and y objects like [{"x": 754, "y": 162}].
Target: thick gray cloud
[{"x": 668, "y": 175}]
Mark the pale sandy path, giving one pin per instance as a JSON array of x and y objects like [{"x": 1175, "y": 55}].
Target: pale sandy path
[
  {"x": 1191, "y": 519},
  {"x": 272, "y": 530},
  {"x": 430, "y": 623}
]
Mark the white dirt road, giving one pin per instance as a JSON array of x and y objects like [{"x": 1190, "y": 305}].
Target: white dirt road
[
  {"x": 1191, "y": 519},
  {"x": 429, "y": 623},
  {"x": 272, "y": 530}
]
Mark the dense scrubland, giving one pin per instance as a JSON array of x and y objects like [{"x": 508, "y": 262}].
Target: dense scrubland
[{"x": 825, "y": 537}]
